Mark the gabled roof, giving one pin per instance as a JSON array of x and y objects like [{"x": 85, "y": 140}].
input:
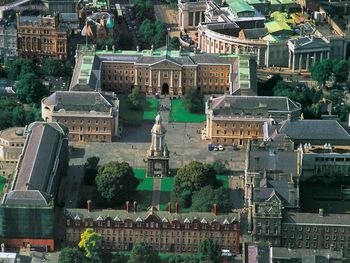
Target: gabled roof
[
  {"x": 308, "y": 43},
  {"x": 277, "y": 26},
  {"x": 28, "y": 198},
  {"x": 314, "y": 130}
]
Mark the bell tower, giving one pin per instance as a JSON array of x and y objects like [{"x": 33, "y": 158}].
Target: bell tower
[{"x": 158, "y": 153}]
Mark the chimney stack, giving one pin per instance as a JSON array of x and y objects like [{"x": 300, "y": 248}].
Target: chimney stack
[
  {"x": 176, "y": 207},
  {"x": 89, "y": 205},
  {"x": 127, "y": 206},
  {"x": 169, "y": 207},
  {"x": 135, "y": 206},
  {"x": 320, "y": 212},
  {"x": 215, "y": 209}
]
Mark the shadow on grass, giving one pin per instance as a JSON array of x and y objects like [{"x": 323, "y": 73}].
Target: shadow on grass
[{"x": 77, "y": 152}]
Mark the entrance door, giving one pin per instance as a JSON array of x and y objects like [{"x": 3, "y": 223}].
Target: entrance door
[{"x": 165, "y": 88}]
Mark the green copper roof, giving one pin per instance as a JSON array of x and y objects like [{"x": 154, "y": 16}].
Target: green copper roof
[
  {"x": 240, "y": 6},
  {"x": 276, "y": 26}
]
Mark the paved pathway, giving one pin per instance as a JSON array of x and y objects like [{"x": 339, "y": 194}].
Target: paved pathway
[
  {"x": 156, "y": 192},
  {"x": 164, "y": 109}
]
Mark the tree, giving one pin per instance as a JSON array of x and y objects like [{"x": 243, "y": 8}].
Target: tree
[
  {"x": 90, "y": 242},
  {"x": 110, "y": 42},
  {"x": 18, "y": 116},
  {"x": 144, "y": 10},
  {"x": 53, "y": 67},
  {"x": 204, "y": 199},
  {"x": 91, "y": 170},
  {"x": 340, "y": 70},
  {"x": 136, "y": 100},
  {"x": 146, "y": 30},
  {"x": 321, "y": 71},
  {"x": 20, "y": 67},
  {"x": 192, "y": 177},
  {"x": 184, "y": 259},
  {"x": 116, "y": 182},
  {"x": 144, "y": 253},
  {"x": 194, "y": 100},
  {"x": 209, "y": 250},
  {"x": 159, "y": 34},
  {"x": 125, "y": 41},
  {"x": 220, "y": 167},
  {"x": 30, "y": 89},
  {"x": 174, "y": 43},
  {"x": 3, "y": 71},
  {"x": 71, "y": 255}
]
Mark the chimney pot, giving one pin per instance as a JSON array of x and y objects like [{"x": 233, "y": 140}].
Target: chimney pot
[
  {"x": 89, "y": 205},
  {"x": 176, "y": 207},
  {"x": 127, "y": 206},
  {"x": 215, "y": 209},
  {"x": 135, "y": 206},
  {"x": 169, "y": 207}
]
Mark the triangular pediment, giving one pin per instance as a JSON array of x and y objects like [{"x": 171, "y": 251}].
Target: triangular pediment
[
  {"x": 274, "y": 198},
  {"x": 166, "y": 63},
  {"x": 311, "y": 44}
]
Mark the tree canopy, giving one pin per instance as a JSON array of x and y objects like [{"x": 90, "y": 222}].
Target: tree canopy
[
  {"x": 204, "y": 199},
  {"x": 91, "y": 169},
  {"x": 19, "y": 67},
  {"x": 321, "y": 71},
  {"x": 174, "y": 43},
  {"x": 144, "y": 253},
  {"x": 194, "y": 100},
  {"x": 53, "y": 67},
  {"x": 192, "y": 177},
  {"x": 210, "y": 250},
  {"x": 144, "y": 10},
  {"x": 136, "y": 100},
  {"x": 71, "y": 255},
  {"x": 116, "y": 182},
  {"x": 90, "y": 242},
  {"x": 30, "y": 89},
  {"x": 340, "y": 69}
]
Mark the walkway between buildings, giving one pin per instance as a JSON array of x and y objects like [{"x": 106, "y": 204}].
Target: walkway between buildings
[{"x": 156, "y": 192}]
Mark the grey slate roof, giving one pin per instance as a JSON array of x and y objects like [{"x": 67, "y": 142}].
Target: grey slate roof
[
  {"x": 307, "y": 42},
  {"x": 255, "y": 33},
  {"x": 314, "y": 130},
  {"x": 227, "y": 104},
  {"x": 38, "y": 160},
  {"x": 121, "y": 215},
  {"x": 28, "y": 197},
  {"x": 76, "y": 100},
  {"x": 316, "y": 219}
]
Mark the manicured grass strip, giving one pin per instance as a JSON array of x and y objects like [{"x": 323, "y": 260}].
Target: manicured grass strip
[
  {"x": 2, "y": 183},
  {"x": 224, "y": 180},
  {"x": 146, "y": 183},
  {"x": 151, "y": 109},
  {"x": 180, "y": 114}
]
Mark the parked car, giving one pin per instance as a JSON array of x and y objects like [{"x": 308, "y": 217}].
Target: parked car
[
  {"x": 221, "y": 148},
  {"x": 215, "y": 148},
  {"x": 210, "y": 147}
]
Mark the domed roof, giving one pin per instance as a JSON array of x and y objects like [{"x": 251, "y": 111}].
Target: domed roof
[{"x": 158, "y": 126}]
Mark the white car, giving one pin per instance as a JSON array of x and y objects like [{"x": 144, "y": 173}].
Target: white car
[
  {"x": 221, "y": 148},
  {"x": 215, "y": 148}
]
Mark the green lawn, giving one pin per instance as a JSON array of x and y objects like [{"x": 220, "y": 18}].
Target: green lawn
[
  {"x": 180, "y": 114},
  {"x": 2, "y": 183},
  {"x": 144, "y": 189},
  {"x": 134, "y": 116},
  {"x": 224, "y": 180}
]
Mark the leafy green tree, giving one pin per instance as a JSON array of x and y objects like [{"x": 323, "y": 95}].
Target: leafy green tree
[
  {"x": 209, "y": 250},
  {"x": 194, "y": 100},
  {"x": 136, "y": 100},
  {"x": 90, "y": 242},
  {"x": 18, "y": 116},
  {"x": 5, "y": 119},
  {"x": 192, "y": 177},
  {"x": 125, "y": 41},
  {"x": 146, "y": 30},
  {"x": 144, "y": 253},
  {"x": 71, "y": 255},
  {"x": 110, "y": 42},
  {"x": 14, "y": 69},
  {"x": 220, "y": 167},
  {"x": 3, "y": 71},
  {"x": 159, "y": 34},
  {"x": 30, "y": 89},
  {"x": 203, "y": 200},
  {"x": 91, "y": 170},
  {"x": 321, "y": 72},
  {"x": 144, "y": 10},
  {"x": 53, "y": 67},
  {"x": 174, "y": 43},
  {"x": 116, "y": 182},
  {"x": 340, "y": 70},
  {"x": 184, "y": 259}
]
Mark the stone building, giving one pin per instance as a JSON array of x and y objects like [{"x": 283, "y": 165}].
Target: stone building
[
  {"x": 89, "y": 116},
  {"x": 42, "y": 37},
  {"x": 166, "y": 231},
  {"x": 27, "y": 210},
  {"x": 11, "y": 144},
  {"x": 162, "y": 71},
  {"x": 158, "y": 154},
  {"x": 316, "y": 231},
  {"x": 8, "y": 41},
  {"x": 236, "y": 119}
]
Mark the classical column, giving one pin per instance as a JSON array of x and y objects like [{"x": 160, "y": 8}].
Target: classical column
[
  {"x": 195, "y": 78},
  {"x": 321, "y": 58},
  {"x": 200, "y": 16},
  {"x": 300, "y": 60},
  {"x": 194, "y": 18},
  {"x": 315, "y": 57},
  {"x": 180, "y": 82},
  {"x": 293, "y": 63},
  {"x": 159, "y": 78},
  {"x": 290, "y": 59},
  {"x": 328, "y": 53},
  {"x": 136, "y": 77},
  {"x": 171, "y": 79},
  {"x": 307, "y": 61},
  {"x": 258, "y": 57}
]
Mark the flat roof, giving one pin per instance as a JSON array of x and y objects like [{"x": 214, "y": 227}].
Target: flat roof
[
  {"x": 240, "y": 6},
  {"x": 10, "y": 134}
]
